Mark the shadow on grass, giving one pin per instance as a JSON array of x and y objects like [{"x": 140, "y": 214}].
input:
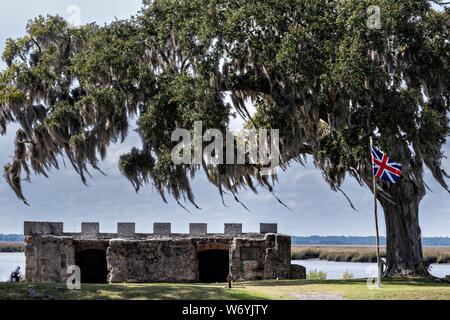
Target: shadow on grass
[
  {"x": 170, "y": 291},
  {"x": 164, "y": 292},
  {"x": 128, "y": 292}
]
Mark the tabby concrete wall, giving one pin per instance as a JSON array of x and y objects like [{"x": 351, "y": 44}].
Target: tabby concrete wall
[
  {"x": 159, "y": 260},
  {"x": 255, "y": 259},
  {"x": 47, "y": 258},
  {"x": 277, "y": 257},
  {"x": 158, "y": 257},
  {"x": 152, "y": 261}
]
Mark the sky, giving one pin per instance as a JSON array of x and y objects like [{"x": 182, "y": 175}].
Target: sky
[{"x": 316, "y": 209}]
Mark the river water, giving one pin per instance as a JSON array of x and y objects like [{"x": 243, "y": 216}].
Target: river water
[
  {"x": 9, "y": 262},
  {"x": 334, "y": 270}
]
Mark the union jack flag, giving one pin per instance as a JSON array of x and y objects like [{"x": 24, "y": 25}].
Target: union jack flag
[{"x": 384, "y": 168}]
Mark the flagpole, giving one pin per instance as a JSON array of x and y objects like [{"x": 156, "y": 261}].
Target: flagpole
[{"x": 376, "y": 218}]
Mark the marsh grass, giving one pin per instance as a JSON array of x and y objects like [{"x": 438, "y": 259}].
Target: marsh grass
[
  {"x": 361, "y": 253},
  {"x": 11, "y": 247}
]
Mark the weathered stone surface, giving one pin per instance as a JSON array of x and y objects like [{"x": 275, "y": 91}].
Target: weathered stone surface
[
  {"x": 267, "y": 258},
  {"x": 43, "y": 228},
  {"x": 247, "y": 259},
  {"x": 268, "y": 228},
  {"x": 125, "y": 230},
  {"x": 81, "y": 245},
  {"x": 162, "y": 229},
  {"x": 297, "y": 272},
  {"x": 278, "y": 257},
  {"x": 152, "y": 261},
  {"x": 233, "y": 228},
  {"x": 90, "y": 230},
  {"x": 198, "y": 229},
  {"x": 212, "y": 244},
  {"x": 47, "y": 258},
  {"x": 160, "y": 257}
]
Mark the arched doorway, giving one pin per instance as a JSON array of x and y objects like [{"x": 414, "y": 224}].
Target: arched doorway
[
  {"x": 213, "y": 266},
  {"x": 93, "y": 266}
]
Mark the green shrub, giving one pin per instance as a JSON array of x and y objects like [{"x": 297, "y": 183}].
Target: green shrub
[
  {"x": 348, "y": 275},
  {"x": 316, "y": 275}
]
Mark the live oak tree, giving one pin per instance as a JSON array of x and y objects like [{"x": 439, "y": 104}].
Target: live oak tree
[{"x": 314, "y": 69}]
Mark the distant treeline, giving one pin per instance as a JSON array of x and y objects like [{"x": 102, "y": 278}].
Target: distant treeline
[
  {"x": 362, "y": 241},
  {"x": 11, "y": 237}
]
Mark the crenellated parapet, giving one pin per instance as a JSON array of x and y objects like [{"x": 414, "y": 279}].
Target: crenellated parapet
[
  {"x": 90, "y": 230},
  {"x": 43, "y": 228},
  {"x": 160, "y": 256},
  {"x": 127, "y": 230}
]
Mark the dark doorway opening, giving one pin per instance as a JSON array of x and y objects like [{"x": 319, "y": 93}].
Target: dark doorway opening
[
  {"x": 213, "y": 266},
  {"x": 93, "y": 266}
]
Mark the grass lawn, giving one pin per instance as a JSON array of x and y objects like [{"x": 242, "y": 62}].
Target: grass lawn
[{"x": 289, "y": 290}]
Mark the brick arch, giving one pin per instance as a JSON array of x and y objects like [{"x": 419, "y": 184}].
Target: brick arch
[
  {"x": 202, "y": 247},
  {"x": 81, "y": 245}
]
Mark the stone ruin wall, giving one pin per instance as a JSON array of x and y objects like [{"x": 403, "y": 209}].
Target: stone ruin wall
[
  {"x": 259, "y": 259},
  {"x": 47, "y": 258},
  {"x": 158, "y": 257},
  {"x": 171, "y": 260}
]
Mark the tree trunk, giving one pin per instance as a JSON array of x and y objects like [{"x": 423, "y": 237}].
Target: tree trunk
[{"x": 403, "y": 235}]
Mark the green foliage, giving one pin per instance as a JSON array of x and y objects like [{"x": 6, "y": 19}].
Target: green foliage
[
  {"x": 347, "y": 275},
  {"x": 316, "y": 275},
  {"x": 312, "y": 68}
]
